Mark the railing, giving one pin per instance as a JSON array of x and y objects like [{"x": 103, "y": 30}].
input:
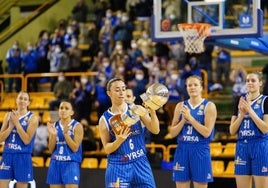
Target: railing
[{"x": 6, "y": 34}]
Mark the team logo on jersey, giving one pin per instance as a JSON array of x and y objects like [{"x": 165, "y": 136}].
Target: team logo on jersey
[
  {"x": 239, "y": 161},
  {"x": 4, "y": 167},
  {"x": 118, "y": 184},
  {"x": 178, "y": 167},
  {"x": 201, "y": 110},
  {"x": 209, "y": 176},
  {"x": 264, "y": 169}
]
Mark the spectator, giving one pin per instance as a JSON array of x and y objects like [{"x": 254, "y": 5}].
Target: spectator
[
  {"x": 93, "y": 37},
  {"x": 74, "y": 54},
  {"x": 145, "y": 44},
  {"x": 40, "y": 142},
  {"x": 62, "y": 90},
  {"x": 14, "y": 60},
  {"x": 106, "y": 37},
  {"x": 42, "y": 51},
  {"x": 265, "y": 72},
  {"x": 89, "y": 142},
  {"x": 143, "y": 11},
  {"x": 123, "y": 31},
  {"x": 238, "y": 77},
  {"x": 102, "y": 101},
  {"x": 177, "y": 53},
  {"x": 223, "y": 66},
  {"x": 80, "y": 11},
  {"x": 138, "y": 84}
]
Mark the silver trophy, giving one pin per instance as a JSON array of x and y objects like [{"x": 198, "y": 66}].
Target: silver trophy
[{"x": 155, "y": 96}]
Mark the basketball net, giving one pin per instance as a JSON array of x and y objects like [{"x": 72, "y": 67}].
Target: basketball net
[{"x": 194, "y": 35}]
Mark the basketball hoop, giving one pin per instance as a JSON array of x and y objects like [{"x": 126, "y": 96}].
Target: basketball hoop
[{"x": 194, "y": 35}]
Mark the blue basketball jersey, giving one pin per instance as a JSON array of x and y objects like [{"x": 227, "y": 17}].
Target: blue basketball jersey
[
  {"x": 188, "y": 133},
  {"x": 133, "y": 147},
  {"x": 62, "y": 151},
  {"x": 248, "y": 129},
  {"x": 13, "y": 143}
]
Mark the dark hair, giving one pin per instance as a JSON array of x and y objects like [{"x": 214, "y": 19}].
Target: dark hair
[{"x": 109, "y": 83}]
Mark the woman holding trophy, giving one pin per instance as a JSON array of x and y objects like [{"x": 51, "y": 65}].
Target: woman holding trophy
[
  {"x": 121, "y": 131},
  {"x": 193, "y": 124}
]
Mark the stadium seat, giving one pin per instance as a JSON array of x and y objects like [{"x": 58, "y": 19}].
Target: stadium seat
[
  {"x": 229, "y": 150},
  {"x": 89, "y": 163},
  {"x": 217, "y": 167},
  {"x": 103, "y": 163},
  {"x": 47, "y": 162},
  {"x": 230, "y": 168},
  {"x": 12, "y": 184},
  {"x": 38, "y": 161},
  {"x": 215, "y": 149}
]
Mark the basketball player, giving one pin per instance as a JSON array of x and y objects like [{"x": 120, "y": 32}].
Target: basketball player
[
  {"x": 18, "y": 132},
  {"x": 64, "y": 142},
  {"x": 250, "y": 123},
  {"x": 128, "y": 165},
  {"x": 193, "y": 124}
]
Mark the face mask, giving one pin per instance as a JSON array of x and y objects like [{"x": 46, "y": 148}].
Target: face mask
[
  {"x": 174, "y": 76},
  {"x": 145, "y": 36},
  {"x": 133, "y": 45},
  {"x": 15, "y": 47},
  {"x": 84, "y": 80},
  {"x": 107, "y": 22},
  {"x": 118, "y": 47},
  {"x": 139, "y": 76},
  {"x": 119, "y": 15},
  {"x": 124, "y": 18},
  {"x": 61, "y": 78},
  {"x": 29, "y": 48},
  {"x": 121, "y": 69},
  {"x": 57, "y": 50},
  {"x": 172, "y": 16},
  {"x": 74, "y": 43},
  {"x": 102, "y": 79},
  {"x": 108, "y": 15},
  {"x": 105, "y": 64},
  {"x": 69, "y": 31}
]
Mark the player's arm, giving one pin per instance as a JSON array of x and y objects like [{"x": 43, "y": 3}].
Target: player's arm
[
  {"x": 26, "y": 136},
  {"x": 6, "y": 128},
  {"x": 209, "y": 123},
  {"x": 52, "y": 136},
  {"x": 151, "y": 121},
  {"x": 236, "y": 119},
  {"x": 177, "y": 123},
  {"x": 110, "y": 147},
  {"x": 262, "y": 124},
  {"x": 77, "y": 140}
]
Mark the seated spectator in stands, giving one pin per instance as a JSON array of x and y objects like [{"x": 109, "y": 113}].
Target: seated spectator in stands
[
  {"x": 56, "y": 38},
  {"x": 145, "y": 44},
  {"x": 82, "y": 98},
  {"x": 265, "y": 86},
  {"x": 177, "y": 53},
  {"x": 30, "y": 66},
  {"x": 80, "y": 11},
  {"x": 223, "y": 66},
  {"x": 14, "y": 65},
  {"x": 238, "y": 78},
  {"x": 89, "y": 142},
  {"x": 42, "y": 48},
  {"x": 93, "y": 40},
  {"x": 106, "y": 37},
  {"x": 61, "y": 90},
  {"x": 138, "y": 84},
  {"x": 123, "y": 31},
  {"x": 102, "y": 100},
  {"x": 40, "y": 142},
  {"x": 67, "y": 38},
  {"x": 74, "y": 55},
  {"x": 59, "y": 61},
  {"x": 190, "y": 69},
  {"x": 106, "y": 67},
  {"x": 134, "y": 52}
]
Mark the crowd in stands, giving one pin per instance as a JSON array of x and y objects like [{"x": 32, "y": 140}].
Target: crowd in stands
[{"x": 113, "y": 52}]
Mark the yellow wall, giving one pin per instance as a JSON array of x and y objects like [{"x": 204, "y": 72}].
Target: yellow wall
[{"x": 47, "y": 20}]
